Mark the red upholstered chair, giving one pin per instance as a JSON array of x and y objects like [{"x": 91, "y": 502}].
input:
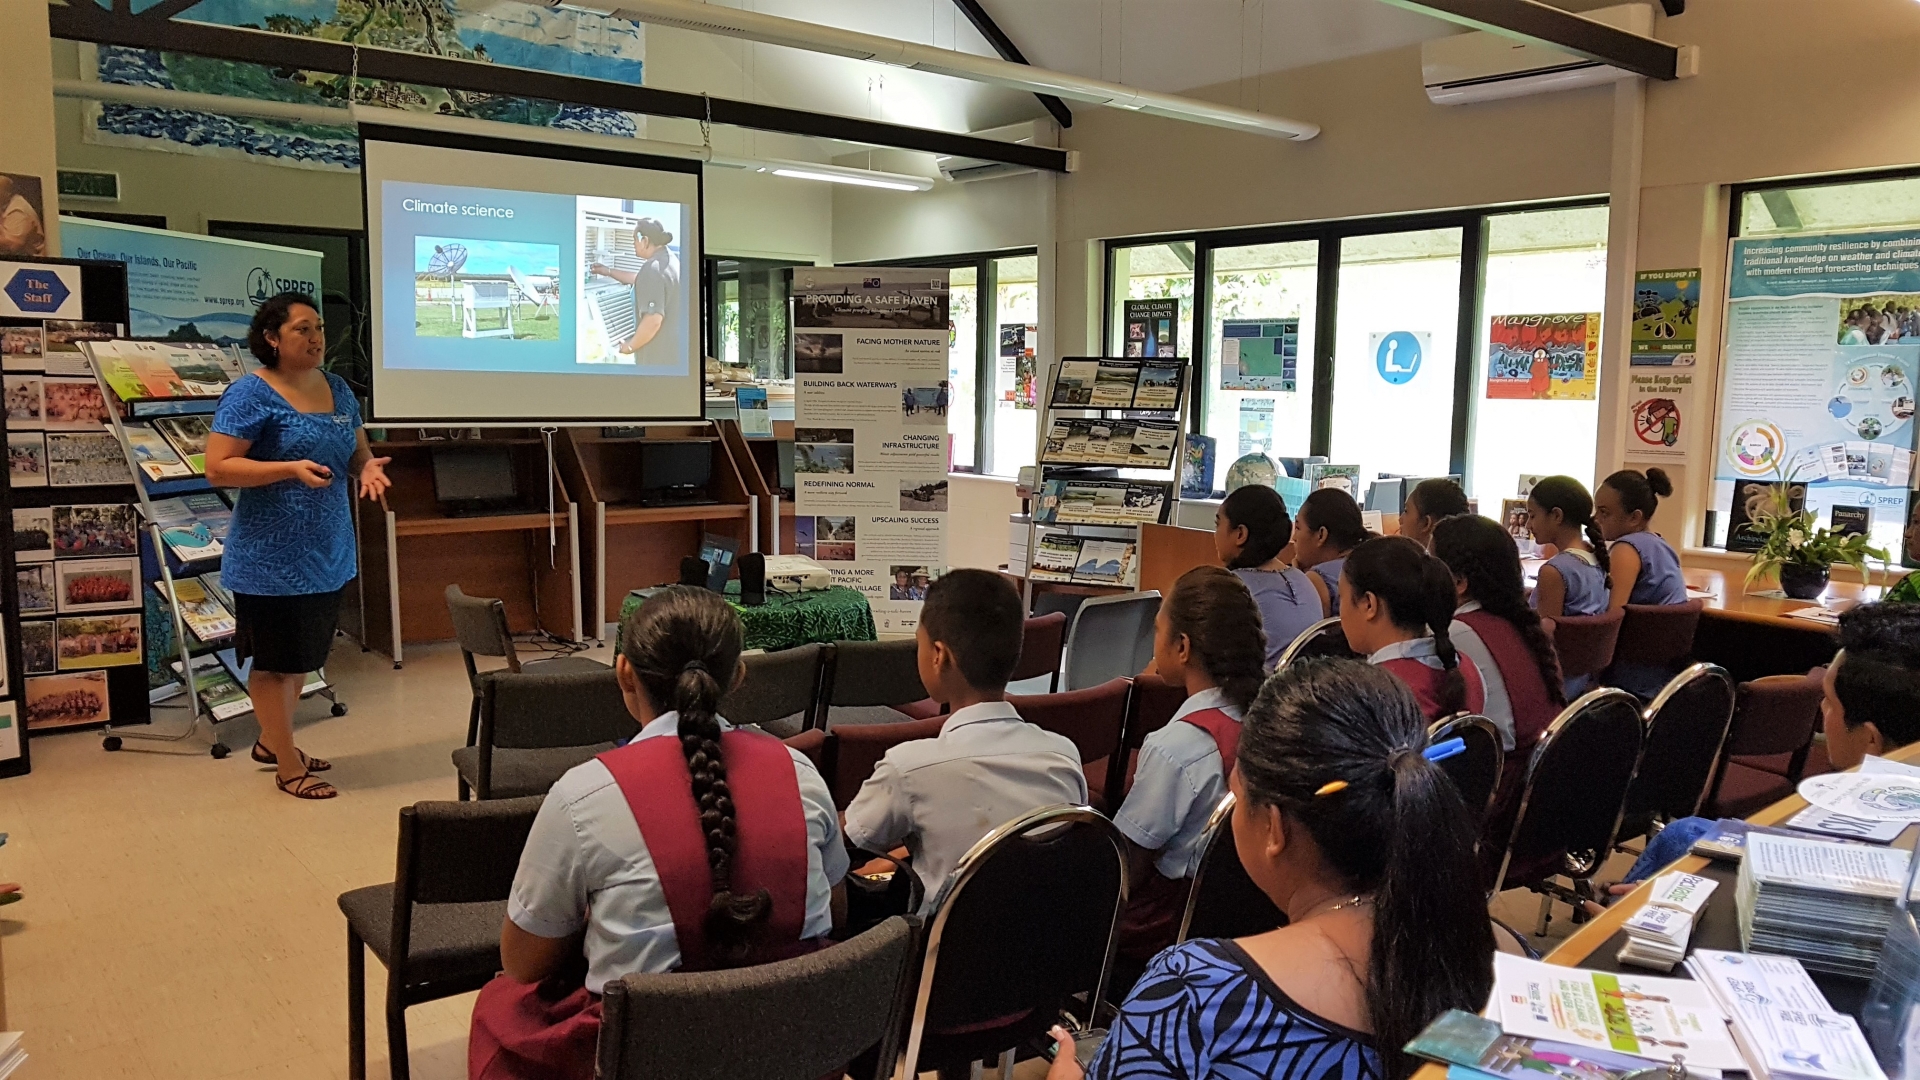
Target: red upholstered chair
[
  {"x": 810, "y": 742},
  {"x": 1045, "y": 638},
  {"x": 1774, "y": 719},
  {"x": 1585, "y": 642},
  {"x": 1658, "y": 635},
  {"x": 1094, "y": 719},
  {"x": 851, "y": 751},
  {"x": 1150, "y": 707}
]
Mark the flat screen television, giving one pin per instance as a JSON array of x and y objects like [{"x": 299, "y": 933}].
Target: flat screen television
[
  {"x": 475, "y": 479},
  {"x": 675, "y": 473}
]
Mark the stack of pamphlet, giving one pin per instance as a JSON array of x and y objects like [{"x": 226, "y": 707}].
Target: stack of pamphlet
[
  {"x": 1826, "y": 902},
  {"x": 1657, "y": 933},
  {"x": 1474, "y": 1048},
  {"x": 1781, "y": 1020},
  {"x": 1640, "y": 1015}
]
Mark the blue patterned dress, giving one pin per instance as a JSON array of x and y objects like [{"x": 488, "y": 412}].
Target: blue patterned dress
[{"x": 1205, "y": 1009}]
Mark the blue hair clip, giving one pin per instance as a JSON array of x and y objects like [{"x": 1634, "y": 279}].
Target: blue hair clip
[{"x": 1441, "y": 751}]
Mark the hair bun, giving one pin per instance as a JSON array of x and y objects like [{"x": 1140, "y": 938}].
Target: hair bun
[{"x": 1658, "y": 480}]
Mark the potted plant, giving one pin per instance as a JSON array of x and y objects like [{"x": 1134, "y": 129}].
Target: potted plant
[{"x": 1800, "y": 550}]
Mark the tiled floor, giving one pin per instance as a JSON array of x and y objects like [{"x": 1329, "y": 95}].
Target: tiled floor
[{"x": 179, "y": 918}]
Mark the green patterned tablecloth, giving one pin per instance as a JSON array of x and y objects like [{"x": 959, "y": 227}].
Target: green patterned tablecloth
[{"x": 837, "y": 614}]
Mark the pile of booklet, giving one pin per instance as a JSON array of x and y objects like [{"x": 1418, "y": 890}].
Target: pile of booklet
[
  {"x": 1657, "y": 934},
  {"x": 1826, "y": 902},
  {"x": 1781, "y": 1020},
  {"x": 1640, "y": 1015}
]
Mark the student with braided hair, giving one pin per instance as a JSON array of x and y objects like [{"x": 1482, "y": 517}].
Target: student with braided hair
[
  {"x": 1496, "y": 629},
  {"x": 1574, "y": 581},
  {"x": 693, "y": 847},
  {"x": 1207, "y": 638},
  {"x": 1396, "y": 607}
]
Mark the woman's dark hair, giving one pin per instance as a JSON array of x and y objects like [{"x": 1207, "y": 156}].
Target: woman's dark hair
[
  {"x": 1438, "y": 497},
  {"x": 1264, "y": 515},
  {"x": 271, "y": 316},
  {"x": 654, "y": 233},
  {"x": 1418, "y": 591},
  {"x": 684, "y": 646},
  {"x": 1569, "y": 496},
  {"x": 1398, "y": 830},
  {"x": 1482, "y": 553},
  {"x": 1335, "y": 511},
  {"x": 1216, "y": 613},
  {"x": 1879, "y": 676},
  {"x": 1640, "y": 491}
]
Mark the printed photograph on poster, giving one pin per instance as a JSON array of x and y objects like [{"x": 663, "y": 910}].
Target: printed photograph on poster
[
  {"x": 1260, "y": 354},
  {"x": 96, "y": 641},
  {"x": 9, "y": 731},
  {"x": 1544, "y": 357},
  {"x": 1018, "y": 344},
  {"x": 1159, "y": 387},
  {"x": 823, "y": 450},
  {"x": 26, "y": 402},
  {"x": 68, "y": 700},
  {"x": 1073, "y": 382},
  {"x": 834, "y": 537},
  {"x": 1910, "y": 532},
  {"x": 84, "y": 458},
  {"x": 819, "y": 354},
  {"x": 23, "y": 216},
  {"x": 923, "y": 494},
  {"x": 63, "y": 337},
  {"x": 37, "y": 654},
  {"x": 925, "y": 406},
  {"x": 26, "y": 459},
  {"x": 83, "y": 585},
  {"x": 1658, "y": 401},
  {"x": 74, "y": 404},
  {"x": 1879, "y": 320},
  {"x": 33, "y": 534},
  {"x": 908, "y": 582},
  {"x": 95, "y": 530},
  {"x": 1666, "y": 306},
  {"x": 34, "y": 586},
  {"x": 803, "y": 536},
  {"x": 1113, "y": 384},
  {"x": 872, "y": 299},
  {"x": 23, "y": 345}
]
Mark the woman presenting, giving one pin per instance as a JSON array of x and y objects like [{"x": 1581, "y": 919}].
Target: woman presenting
[{"x": 290, "y": 435}]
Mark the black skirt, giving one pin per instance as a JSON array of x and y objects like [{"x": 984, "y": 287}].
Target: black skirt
[{"x": 287, "y": 635}]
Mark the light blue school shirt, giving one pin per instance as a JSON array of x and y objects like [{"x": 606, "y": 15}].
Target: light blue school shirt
[
  {"x": 1660, "y": 581},
  {"x": 1176, "y": 786}
]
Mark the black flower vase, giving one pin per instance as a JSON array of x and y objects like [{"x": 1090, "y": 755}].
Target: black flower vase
[{"x": 1803, "y": 582}]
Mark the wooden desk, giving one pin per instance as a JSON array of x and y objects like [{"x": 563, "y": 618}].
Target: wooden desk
[
  {"x": 1730, "y": 600},
  {"x": 1752, "y": 636}
]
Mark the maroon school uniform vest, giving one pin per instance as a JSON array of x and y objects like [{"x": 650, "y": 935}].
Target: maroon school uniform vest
[
  {"x": 1526, "y": 690},
  {"x": 1225, "y": 731},
  {"x": 1425, "y": 683},
  {"x": 1152, "y": 917}
]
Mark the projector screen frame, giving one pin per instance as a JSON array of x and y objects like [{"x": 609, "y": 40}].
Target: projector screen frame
[{"x": 486, "y": 144}]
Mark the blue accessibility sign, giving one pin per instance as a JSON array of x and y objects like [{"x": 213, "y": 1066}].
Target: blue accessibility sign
[
  {"x": 1398, "y": 357},
  {"x": 37, "y": 292}
]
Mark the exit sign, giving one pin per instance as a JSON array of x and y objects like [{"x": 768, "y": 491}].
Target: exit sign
[{"x": 75, "y": 184}]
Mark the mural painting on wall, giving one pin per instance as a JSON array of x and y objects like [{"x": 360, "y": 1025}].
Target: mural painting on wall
[{"x": 491, "y": 31}]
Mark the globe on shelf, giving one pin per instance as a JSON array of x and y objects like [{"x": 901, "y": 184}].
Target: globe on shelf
[{"x": 1254, "y": 469}]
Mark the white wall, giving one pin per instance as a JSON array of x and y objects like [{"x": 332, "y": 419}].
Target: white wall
[{"x": 977, "y": 512}]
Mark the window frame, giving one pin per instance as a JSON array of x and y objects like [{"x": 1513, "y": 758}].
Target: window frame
[{"x": 1473, "y": 226}]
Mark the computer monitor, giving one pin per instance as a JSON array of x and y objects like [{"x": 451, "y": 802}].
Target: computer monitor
[
  {"x": 675, "y": 473},
  {"x": 783, "y": 451},
  {"x": 1386, "y": 494},
  {"x": 475, "y": 479}
]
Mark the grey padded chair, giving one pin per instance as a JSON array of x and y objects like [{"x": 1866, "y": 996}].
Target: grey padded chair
[
  {"x": 797, "y": 1019},
  {"x": 534, "y": 727},
  {"x": 1223, "y": 901},
  {"x": 778, "y": 685},
  {"x": 1111, "y": 638},
  {"x": 867, "y": 681},
  {"x": 436, "y": 927},
  {"x": 480, "y": 626}
]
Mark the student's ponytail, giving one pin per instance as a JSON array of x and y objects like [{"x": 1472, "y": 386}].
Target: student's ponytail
[
  {"x": 1394, "y": 831},
  {"x": 1262, "y": 512},
  {"x": 1214, "y": 611},
  {"x": 1437, "y": 582},
  {"x": 1418, "y": 592},
  {"x": 1481, "y": 553},
  {"x": 1570, "y": 497},
  {"x": 681, "y": 644}
]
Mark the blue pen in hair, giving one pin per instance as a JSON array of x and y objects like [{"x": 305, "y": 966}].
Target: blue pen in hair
[{"x": 1441, "y": 751}]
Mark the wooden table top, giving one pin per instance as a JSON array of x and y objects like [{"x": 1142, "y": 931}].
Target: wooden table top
[{"x": 1731, "y": 600}]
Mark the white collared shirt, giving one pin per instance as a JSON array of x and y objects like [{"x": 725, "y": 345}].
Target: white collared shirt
[
  {"x": 586, "y": 865},
  {"x": 939, "y": 796},
  {"x": 1177, "y": 783},
  {"x": 1422, "y": 649},
  {"x": 1498, "y": 707}
]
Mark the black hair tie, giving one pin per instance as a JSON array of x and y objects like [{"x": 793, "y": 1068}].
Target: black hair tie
[{"x": 694, "y": 665}]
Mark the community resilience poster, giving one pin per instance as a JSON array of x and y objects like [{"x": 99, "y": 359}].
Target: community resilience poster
[
  {"x": 870, "y": 432},
  {"x": 1822, "y": 348},
  {"x": 1544, "y": 357}
]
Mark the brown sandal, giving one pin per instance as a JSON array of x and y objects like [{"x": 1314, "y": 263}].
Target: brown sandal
[
  {"x": 266, "y": 757},
  {"x": 306, "y": 786}
]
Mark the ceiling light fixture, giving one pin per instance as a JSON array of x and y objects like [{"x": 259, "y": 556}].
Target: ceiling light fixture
[
  {"x": 901, "y": 183},
  {"x": 813, "y": 37}
]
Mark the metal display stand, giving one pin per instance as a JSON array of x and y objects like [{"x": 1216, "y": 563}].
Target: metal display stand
[
  {"x": 112, "y": 740},
  {"x": 1049, "y": 412}
]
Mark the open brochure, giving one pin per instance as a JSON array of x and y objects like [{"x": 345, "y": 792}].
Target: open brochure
[
  {"x": 1644, "y": 1016},
  {"x": 1481, "y": 1049}
]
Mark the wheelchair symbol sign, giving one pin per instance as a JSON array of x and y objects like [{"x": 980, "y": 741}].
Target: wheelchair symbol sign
[{"x": 1397, "y": 355}]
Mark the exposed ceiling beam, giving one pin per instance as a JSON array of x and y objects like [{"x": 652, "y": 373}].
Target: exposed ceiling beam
[
  {"x": 1008, "y": 51},
  {"x": 87, "y": 21},
  {"x": 1541, "y": 24}
]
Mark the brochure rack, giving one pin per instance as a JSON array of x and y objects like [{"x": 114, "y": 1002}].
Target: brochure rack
[
  {"x": 1105, "y": 413},
  {"x": 165, "y": 566}
]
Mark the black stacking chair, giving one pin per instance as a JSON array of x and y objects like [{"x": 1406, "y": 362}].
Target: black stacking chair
[
  {"x": 436, "y": 927},
  {"x": 1324, "y": 638},
  {"x": 480, "y": 626},
  {"x": 1476, "y": 770},
  {"x": 534, "y": 727},
  {"x": 1686, "y": 730},
  {"x": 1223, "y": 901},
  {"x": 778, "y": 685},
  {"x": 869, "y": 675},
  {"x": 797, "y": 1019}
]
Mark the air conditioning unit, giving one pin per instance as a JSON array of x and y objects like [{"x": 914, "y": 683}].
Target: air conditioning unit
[
  {"x": 1484, "y": 66},
  {"x": 962, "y": 170}
]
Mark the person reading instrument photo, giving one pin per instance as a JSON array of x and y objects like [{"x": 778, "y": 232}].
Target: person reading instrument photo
[
  {"x": 656, "y": 288},
  {"x": 1344, "y": 820},
  {"x": 694, "y": 847}
]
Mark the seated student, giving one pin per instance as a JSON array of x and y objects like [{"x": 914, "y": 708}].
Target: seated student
[
  {"x": 1342, "y": 821},
  {"x": 1206, "y": 638},
  {"x": 1495, "y": 629},
  {"x": 1327, "y": 527},
  {"x": 1871, "y": 699},
  {"x": 987, "y": 766},
  {"x": 1250, "y": 530},
  {"x": 1643, "y": 567},
  {"x": 1431, "y": 501},
  {"x": 1574, "y": 581},
  {"x": 626, "y": 870},
  {"x": 1396, "y": 607}
]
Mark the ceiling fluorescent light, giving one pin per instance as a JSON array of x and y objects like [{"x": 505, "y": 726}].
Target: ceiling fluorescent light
[
  {"x": 813, "y": 37},
  {"x": 900, "y": 184}
]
